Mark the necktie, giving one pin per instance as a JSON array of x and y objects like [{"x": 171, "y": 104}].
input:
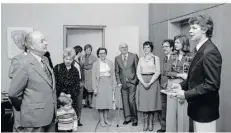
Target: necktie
[
  {"x": 165, "y": 59},
  {"x": 125, "y": 60},
  {"x": 78, "y": 67},
  {"x": 195, "y": 50},
  {"x": 46, "y": 70}
]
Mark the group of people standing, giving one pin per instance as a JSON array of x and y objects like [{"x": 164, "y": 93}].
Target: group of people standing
[{"x": 192, "y": 76}]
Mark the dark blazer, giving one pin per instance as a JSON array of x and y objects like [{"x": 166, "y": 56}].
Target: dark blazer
[
  {"x": 32, "y": 93},
  {"x": 167, "y": 64},
  {"x": 81, "y": 70},
  {"x": 203, "y": 83},
  {"x": 123, "y": 73}
]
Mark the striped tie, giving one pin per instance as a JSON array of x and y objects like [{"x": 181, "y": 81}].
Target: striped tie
[
  {"x": 46, "y": 70},
  {"x": 125, "y": 60}
]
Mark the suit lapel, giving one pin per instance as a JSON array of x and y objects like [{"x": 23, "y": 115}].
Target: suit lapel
[
  {"x": 38, "y": 68},
  {"x": 198, "y": 55},
  {"x": 129, "y": 59},
  {"x": 53, "y": 76},
  {"x": 121, "y": 61}
]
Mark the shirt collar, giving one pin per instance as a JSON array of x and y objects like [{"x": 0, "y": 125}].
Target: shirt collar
[
  {"x": 125, "y": 55},
  {"x": 37, "y": 57},
  {"x": 200, "y": 44},
  {"x": 168, "y": 55},
  {"x": 103, "y": 61}
]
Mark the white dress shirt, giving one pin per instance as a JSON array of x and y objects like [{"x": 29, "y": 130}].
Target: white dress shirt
[
  {"x": 78, "y": 67},
  {"x": 125, "y": 55},
  {"x": 200, "y": 44},
  {"x": 38, "y": 58}
]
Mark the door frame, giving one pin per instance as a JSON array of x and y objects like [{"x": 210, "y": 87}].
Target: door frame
[
  {"x": 174, "y": 26},
  {"x": 83, "y": 27}
]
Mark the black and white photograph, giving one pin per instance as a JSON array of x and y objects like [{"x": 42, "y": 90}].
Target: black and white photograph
[{"x": 115, "y": 67}]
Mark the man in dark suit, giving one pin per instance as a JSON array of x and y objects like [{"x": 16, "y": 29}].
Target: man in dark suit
[
  {"x": 32, "y": 89},
  {"x": 79, "y": 65},
  {"x": 168, "y": 47},
  {"x": 201, "y": 88},
  {"x": 125, "y": 72}
]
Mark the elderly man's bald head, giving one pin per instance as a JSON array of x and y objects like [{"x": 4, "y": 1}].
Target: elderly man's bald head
[
  {"x": 123, "y": 45},
  {"x": 30, "y": 36},
  {"x": 35, "y": 41}
]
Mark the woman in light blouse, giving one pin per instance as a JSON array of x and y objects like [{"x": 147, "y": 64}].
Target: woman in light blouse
[
  {"x": 148, "y": 71},
  {"x": 103, "y": 84}
]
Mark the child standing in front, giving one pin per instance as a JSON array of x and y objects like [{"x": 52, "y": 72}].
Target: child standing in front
[{"x": 67, "y": 118}]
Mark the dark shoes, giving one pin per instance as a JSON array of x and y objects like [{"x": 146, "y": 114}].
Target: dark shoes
[
  {"x": 126, "y": 122},
  {"x": 87, "y": 106},
  {"x": 80, "y": 124},
  {"x": 134, "y": 123},
  {"x": 161, "y": 131}
]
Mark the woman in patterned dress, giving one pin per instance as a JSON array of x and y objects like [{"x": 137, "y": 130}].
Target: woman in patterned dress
[
  {"x": 67, "y": 77},
  {"x": 181, "y": 60}
]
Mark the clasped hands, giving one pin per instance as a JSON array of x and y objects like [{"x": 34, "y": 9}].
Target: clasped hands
[
  {"x": 177, "y": 91},
  {"x": 114, "y": 89},
  {"x": 146, "y": 85}
]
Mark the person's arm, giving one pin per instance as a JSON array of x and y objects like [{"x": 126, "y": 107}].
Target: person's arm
[
  {"x": 157, "y": 71},
  {"x": 136, "y": 64},
  {"x": 58, "y": 84},
  {"x": 82, "y": 73},
  {"x": 166, "y": 68},
  {"x": 113, "y": 76},
  {"x": 171, "y": 74},
  {"x": 17, "y": 86},
  {"x": 138, "y": 72},
  {"x": 212, "y": 70},
  {"x": 117, "y": 72},
  {"x": 94, "y": 78},
  {"x": 184, "y": 84},
  {"x": 13, "y": 67},
  {"x": 76, "y": 79},
  {"x": 136, "y": 60}
]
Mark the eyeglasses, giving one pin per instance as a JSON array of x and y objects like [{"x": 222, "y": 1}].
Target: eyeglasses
[{"x": 165, "y": 46}]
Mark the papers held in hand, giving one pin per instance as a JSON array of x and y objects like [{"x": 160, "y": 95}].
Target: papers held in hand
[{"x": 169, "y": 91}]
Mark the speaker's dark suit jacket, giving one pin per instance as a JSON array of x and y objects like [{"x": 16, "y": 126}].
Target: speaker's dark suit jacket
[{"x": 203, "y": 83}]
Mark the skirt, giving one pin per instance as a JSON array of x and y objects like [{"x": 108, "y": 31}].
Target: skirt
[
  {"x": 149, "y": 100},
  {"x": 88, "y": 80},
  {"x": 104, "y": 98}
]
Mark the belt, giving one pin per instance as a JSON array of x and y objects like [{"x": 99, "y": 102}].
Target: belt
[{"x": 147, "y": 74}]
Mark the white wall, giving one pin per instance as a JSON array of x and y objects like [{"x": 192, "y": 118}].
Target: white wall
[{"x": 50, "y": 18}]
